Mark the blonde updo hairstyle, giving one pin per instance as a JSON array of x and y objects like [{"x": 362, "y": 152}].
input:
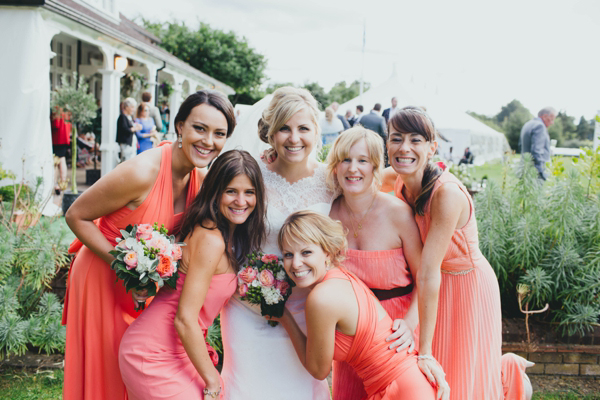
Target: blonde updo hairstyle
[
  {"x": 286, "y": 102},
  {"x": 341, "y": 148},
  {"x": 319, "y": 229}
]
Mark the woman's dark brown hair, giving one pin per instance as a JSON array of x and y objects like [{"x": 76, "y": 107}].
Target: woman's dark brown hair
[
  {"x": 248, "y": 236},
  {"x": 211, "y": 97},
  {"x": 412, "y": 119}
]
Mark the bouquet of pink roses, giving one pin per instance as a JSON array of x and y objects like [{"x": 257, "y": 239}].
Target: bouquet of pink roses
[
  {"x": 146, "y": 258},
  {"x": 263, "y": 281}
]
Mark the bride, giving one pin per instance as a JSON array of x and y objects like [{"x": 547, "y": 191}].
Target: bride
[{"x": 260, "y": 361}]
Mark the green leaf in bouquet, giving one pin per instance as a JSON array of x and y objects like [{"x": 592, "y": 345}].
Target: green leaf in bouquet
[
  {"x": 172, "y": 281},
  {"x": 114, "y": 252},
  {"x": 121, "y": 257},
  {"x": 154, "y": 265},
  {"x": 131, "y": 284},
  {"x": 154, "y": 276}
]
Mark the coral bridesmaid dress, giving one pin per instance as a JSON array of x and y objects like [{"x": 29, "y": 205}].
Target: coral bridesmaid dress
[
  {"x": 467, "y": 341},
  {"x": 153, "y": 362},
  {"x": 387, "y": 374},
  {"x": 384, "y": 271},
  {"x": 97, "y": 309}
]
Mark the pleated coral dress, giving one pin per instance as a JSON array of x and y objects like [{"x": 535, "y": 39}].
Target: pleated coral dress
[
  {"x": 382, "y": 270},
  {"x": 467, "y": 341},
  {"x": 97, "y": 309},
  {"x": 387, "y": 374},
  {"x": 153, "y": 362}
]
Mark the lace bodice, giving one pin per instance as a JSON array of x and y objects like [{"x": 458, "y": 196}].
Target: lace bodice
[{"x": 284, "y": 198}]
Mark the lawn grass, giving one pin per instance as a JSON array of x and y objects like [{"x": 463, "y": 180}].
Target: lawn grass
[
  {"x": 17, "y": 384},
  {"x": 564, "y": 396}
]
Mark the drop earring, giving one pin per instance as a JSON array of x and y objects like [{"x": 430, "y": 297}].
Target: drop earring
[{"x": 180, "y": 141}]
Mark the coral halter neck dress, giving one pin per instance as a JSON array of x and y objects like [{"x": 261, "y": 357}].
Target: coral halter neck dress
[
  {"x": 97, "y": 309},
  {"x": 387, "y": 374}
]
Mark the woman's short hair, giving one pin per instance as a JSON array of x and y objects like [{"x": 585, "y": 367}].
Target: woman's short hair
[
  {"x": 312, "y": 227},
  {"x": 205, "y": 207},
  {"x": 211, "y": 97},
  {"x": 341, "y": 148},
  {"x": 141, "y": 108},
  {"x": 286, "y": 102},
  {"x": 329, "y": 114},
  {"x": 129, "y": 102}
]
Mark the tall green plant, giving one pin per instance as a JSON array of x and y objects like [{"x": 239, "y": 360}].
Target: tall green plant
[
  {"x": 81, "y": 106},
  {"x": 546, "y": 236}
]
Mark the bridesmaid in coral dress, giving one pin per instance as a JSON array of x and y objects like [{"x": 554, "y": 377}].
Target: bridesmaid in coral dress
[
  {"x": 383, "y": 240},
  {"x": 344, "y": 320},
  {"x": 459, "y": 297},
  {"x": 155, "y": 186},
  {"x": 163, "y": 354}
]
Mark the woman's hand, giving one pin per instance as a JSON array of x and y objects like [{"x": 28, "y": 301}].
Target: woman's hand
[
  {"x": 435, "y": 375},
  {"x": 213, "y": 390},
  {"x": 139, "y": 298},
  {"x": 403, "y": 336}
]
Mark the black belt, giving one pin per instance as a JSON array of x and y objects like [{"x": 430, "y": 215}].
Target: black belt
[{"x": 383, "y": 294}]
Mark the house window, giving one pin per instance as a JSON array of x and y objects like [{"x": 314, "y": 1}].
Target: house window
[
  {"x": 69, "y": 56},
  {"x": 59, "y": 54}
]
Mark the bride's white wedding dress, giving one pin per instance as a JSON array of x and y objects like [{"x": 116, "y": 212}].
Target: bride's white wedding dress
[{"x": 260, "y": 361}]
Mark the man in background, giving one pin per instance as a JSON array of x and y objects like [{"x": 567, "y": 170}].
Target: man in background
[
  {"x": 536, "y": 140},
  {"x": 376, "y": 123},
  {"x": 389, "y": 112},
  {"x": 350, "y": 117}
]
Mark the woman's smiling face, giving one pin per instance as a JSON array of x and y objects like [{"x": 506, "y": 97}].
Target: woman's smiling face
[{"x": 296, "y": 138}]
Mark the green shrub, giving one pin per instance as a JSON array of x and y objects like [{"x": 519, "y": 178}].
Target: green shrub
[{"x": 547, "y": 236}]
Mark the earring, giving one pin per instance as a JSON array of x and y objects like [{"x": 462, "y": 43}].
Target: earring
[
  {"x": 180, "y": 141},
  {"x": 327, "y": 265}
]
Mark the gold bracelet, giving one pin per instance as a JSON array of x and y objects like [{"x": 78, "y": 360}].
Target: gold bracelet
[{"x": 213, "y": 395}]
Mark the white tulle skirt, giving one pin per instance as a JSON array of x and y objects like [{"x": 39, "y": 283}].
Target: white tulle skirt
[{"x": 260, "y": 361}]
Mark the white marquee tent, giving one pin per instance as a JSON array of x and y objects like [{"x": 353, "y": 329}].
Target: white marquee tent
[{"x": 457, "y": 126}]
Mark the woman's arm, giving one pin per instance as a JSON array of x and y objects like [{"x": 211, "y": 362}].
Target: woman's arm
[
  {"x": 388, "y": 180},
  {"x": 412, "y": 246},
  {"x": 127, "y": 185},
  {"x": 315, "y": 349},
  {"x": 206, "y": 249}
]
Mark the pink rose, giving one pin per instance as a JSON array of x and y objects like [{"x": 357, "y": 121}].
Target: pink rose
[
  {"x": 266, "y": 278},
  {"x": 159, "y": 243},
  {"x": 243, "y": 289},
  {"x": 212, "y": 353},
  {"x": 268, "y": 258},
  {"x": 176, "y": 252},
  {"x": 248, "y": 274},
  {"x": 131, "y": 259},
  {"x": 283, "y": 287},
  {"x": 165, "y": 267},
  {"x": 441, "y": 164},
  {"x": 144, "y": 231}
]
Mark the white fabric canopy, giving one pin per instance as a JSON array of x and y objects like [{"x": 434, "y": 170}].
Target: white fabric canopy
[
  {"x": 457, "y": 126},
  {"x": 26, "y": 141}
]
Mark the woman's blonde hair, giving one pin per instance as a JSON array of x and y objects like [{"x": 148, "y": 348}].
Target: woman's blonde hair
[
  {"x": 312, "y": 227},
  {"x": 341, "y": 148},
  {"x": 286, "y": 102}
]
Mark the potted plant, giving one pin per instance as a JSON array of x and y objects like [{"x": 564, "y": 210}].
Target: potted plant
[{"x": 80, "y": 107}]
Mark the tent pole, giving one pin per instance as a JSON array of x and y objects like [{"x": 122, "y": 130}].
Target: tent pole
[{"x": 362, "y": 72}]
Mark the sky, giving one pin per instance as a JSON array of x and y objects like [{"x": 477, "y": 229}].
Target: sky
[{"x": 477, "y": 55}]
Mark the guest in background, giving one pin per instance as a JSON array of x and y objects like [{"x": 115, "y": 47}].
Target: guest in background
[
  {"x": 449, "y": 156},
  {"x": 61, "y": 140},
  {"x": 165, "y": 114},
  {"x": 148, "y": 130},
  {"x": 467, "y": 157},
  {"x": 389, "y": 112},
  {"x": 376, "y": 123},
  {"x": 350, "y": 117},
  {"x": 154, "y": 112},
  {"x": 330, "y": 126},
  {"x": 359, "y": 114},
  {"x": 335, "y": 105},
  {"x": 126, "y": 127},
  {"x": 535, "y": 139}
]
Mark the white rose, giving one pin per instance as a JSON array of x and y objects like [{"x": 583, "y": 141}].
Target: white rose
[{"x": 280, "y": 275}]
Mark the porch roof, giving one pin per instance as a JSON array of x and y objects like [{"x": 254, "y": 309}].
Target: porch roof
[{"x": 128, "y": 32}]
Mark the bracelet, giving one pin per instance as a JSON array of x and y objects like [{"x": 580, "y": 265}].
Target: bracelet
[
  {"x": 426, "y": 357},
  {"x": 213, "y": 395}
]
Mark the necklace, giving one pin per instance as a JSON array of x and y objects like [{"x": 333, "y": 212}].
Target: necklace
[{"x": 353, "y": 217}]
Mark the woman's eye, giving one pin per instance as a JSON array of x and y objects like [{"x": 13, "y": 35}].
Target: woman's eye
[
  {"x": 284, "y": 129},
  {"x": 304, "y": 128},
  {"x": 306, "y": 253},
  {"x": 221, "y": 134},
  {"x": 346, "y": 160},
  {"x": 199, "y": 128},
  {"x": 287, "y": 255}
]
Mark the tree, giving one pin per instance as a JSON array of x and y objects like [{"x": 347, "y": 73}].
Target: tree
[
  {"x": 556, "y": 131},
  {"x": 585, "y": 129},
  {"x": 274, "y": 86},
  {"x": 513, "y": 124},
  {"x": 342, "y": 93},
  {"x": 508, "y": 109},
  {"x": 222, "y": 55},
  {"x": 489, "y": 121},
  {"x": 569, "y": 130},
  {"x": 318, "y": 93}
]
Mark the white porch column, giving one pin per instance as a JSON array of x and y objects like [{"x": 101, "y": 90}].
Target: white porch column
[
  {"x": 174, "y": 103},
  {"x": 152, "y": 69},
  {"x": 111, "y": 84}
]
